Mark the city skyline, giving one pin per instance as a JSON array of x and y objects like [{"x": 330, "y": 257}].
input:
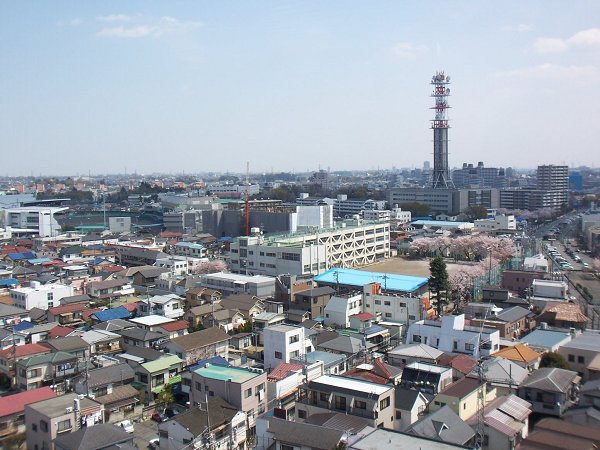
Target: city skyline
[{"x": 293, "y": 86}]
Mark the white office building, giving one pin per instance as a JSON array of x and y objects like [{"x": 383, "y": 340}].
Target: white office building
[
  {"x": 233, "y": 283},
  {"x": 451, "y": 335},
  {"x": 311, "y": 252},
  {"x": 499, "y": 222},
  {"x": 38, "y": 295},
  {"x": 282, "y": 343},
  {"x": 339, "y": 308},
  {"x": 392, "y": 307},
  {"x": 38, "y": 220}
]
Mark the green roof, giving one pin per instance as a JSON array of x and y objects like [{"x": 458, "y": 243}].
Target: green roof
[
  {"x": 236, "y": 375},
  {"x": 53, "y": 358},
  {"x": 161, "y": 363}
]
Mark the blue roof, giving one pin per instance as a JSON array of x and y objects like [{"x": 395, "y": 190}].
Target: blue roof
[
  {"x": 190, "y": 245},
  {"x": 111, "y": 314},
  {"x": 38, "y": 260},
  {"x": 22, "y": 255},
  {"x": 23, "y": 325},
  {"x": 359, "y": 278},
  {"x": 9, "y": 282}
]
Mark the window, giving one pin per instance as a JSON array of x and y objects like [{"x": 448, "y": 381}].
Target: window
[
  {"x": 198, "y": 386},
  {"x": 455, "y": 345},
  {"x": 398, "y": 415},
  {"x": 378, "y": 302},
  {"x": 301, "y": 414},
  {"x": 571, "y": 358},
  {"x": 469, "y": 347},
  {"x": 384, "y": 403},
  {"x": 247, "y": 392},
  {"x": 34, "y": 427},
  {"x": 581, "y": 360},
  {"x": 50, "y": 296},
  {"x": 388, "y": 314},
  {"x": 44, "y": 426},
  {"x": 323, "y": 397},
  {"x": 294, "y": 339},
  {"x": 64, "y": 425},
  {"x": 286, "y": 447},
  {"x": 387, "y": 303},
  {"x": 295, "y": 354},
  {"x": 416, "y": 338},
  {"x": 260, "y": 387},
  {"x": 278, "y": 355},
  {"x": 360, "y": 404},
  {"x": 340, "y": 402}
]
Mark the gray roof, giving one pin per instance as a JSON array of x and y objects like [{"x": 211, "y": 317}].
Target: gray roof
[
  {"x": 443, "y": 425},
  {"x": 590, "y": 388},
  {"x": 343, "y": 344},
  {"x": 10, "y": 310},
  {"x": 304, "y": 434},
  {"x": 113, "y": 325},
  {"x": 67, "y": 343},
  {"x": 55, "y": 406},
  {"x": 406, "y": 398},
  {"x": 338, "y": 421},
  {"x": 550, "y": 379},
  {"x": 502, "y": 371},
  {"x": 588, "y": 340},
  {"x": 200, "y": 339},
  {"x": 75, "y": 299},
  {"x": 140, "y": 334},
  {"x": 384, "y": 439},
  {"x": 110, "y": 374},
  {"x": 98, "y": 437},
  {"x": 149, "y": 354},
  {"x": 196, "y": 420},
  {"x": 513, "y": 314},
  {"x": 416, "y": 351},
  {"x": 545, "y": 339},
  {"x": 48, "y": 358}
]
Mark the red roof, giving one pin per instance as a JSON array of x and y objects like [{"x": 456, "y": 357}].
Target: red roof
[
  {"x": 112, "y": 269},
  {"x": 71, "y": 307},
  {"x": 24, "y": 350},
  {"x": 168, "y": 234},
  {"x": 364, "y": 316},
  {"x": 14, "y": 404},
  {"x": 463, "y": 363},
  {"x": 88, "y": 312},
  {"x": 175, "y": 326},
  {"x": 283, "y": 370},
  {"x": 60, "y": 331},
  {"x": 131, "y": 307}
]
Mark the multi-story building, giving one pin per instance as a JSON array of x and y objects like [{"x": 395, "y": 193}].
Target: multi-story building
[
  {"x": 340, "y": 307},
  {"x": 551, "y": 191},
  {"x": 232, "y": 283},
  {"x": 243, "y": 388},
  {"x": 346, "y": 208},
  {"x": 581, "y": 351},
  {"x": 283, "y": 343},
  {"x": 479, "y": 176},
  {"x": 12, "y": 411},
  {"x": 170, "y": 306},
  {"x": 47, "y": 419},
  {"x": 393, "y": 307},
  {"x": 371, "y": 401},
  {"x": 37, "y": 295},
  {"x": 452, "y": 335},
  {"x": 498, "y": 223},
  {"x": 45, "y": 370},
  {"x": 38, "y": 220},
  {"x": 305, "y": 253},
  {"x": 446, "y": 201}
]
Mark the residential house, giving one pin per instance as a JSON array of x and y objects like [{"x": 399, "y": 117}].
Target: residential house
[
  {"x": 427, "y": 378},
  {"x": 279, "y": 434},
  {"x": 70, "y": 344},
  {"x": 70, "y": 314},
  {"x": 200, "y": 295},
  {"x": 371, "y": 401},
  {"x": 245, "y": 389},
  {"x": 451, "y": 334},
  {"x": 340, "y": 307},
  {"x": 102, "y": 342},
  {"x": 460, "y": 364},
  {"x": 410, "y": 405},
  {"x": 564, "y": 315},
  {"x": 248, "y": 305},
  {"x": 407, "y": 353},
  {"x": 345, "y": 345},
  {"x": 138, "y": 337},
  {"x": 137, "y": 256},
  {"x": 282, "y": 385},
  {"x": 544, "y": 340},
  {"x": 443, "y": 425},
  {"x": 550, "y": 390},
  {"x": 8, "y": 357},
  {"x": 12, "y": 410},
  {"x": 266, "y": 319},
  {"x": 8, "y": 339},
  {"x": 314, "y": 300},
  {"x": 38, "y": 295},
  {"x": 110, "y": 314},
  {"x": 34, "y": 334},
  {"x": 113, "y": 325},
  {"x": 170, "y": 306},
  {"x": 47, "y": 419},
  {"x": 104, "y": 436},
  {"x": 377, "y": 372},
  {"x": 555, "y": 434},
  {"x": 284, "y": 343},
  {"x": 226, "y": 319},
  {"x": 521, "y": 355},
  {"x": 463, "y": 396},
  {"x": 199, "y": 345},
  {"x": 197, "y": 315},
  {"x": 505, "y": 423},
  {"x": 217, "y": 425},
  {"x": 109, "y": 289},
  {"x": 10, "y": 314},
  {"x": 589, "y": 394},
  {"x": 175, "y": 329},
  {"x": 399, "y": 440},
  {"x": 582, "y": 352},
  {"x": 332, "y": 363},
  {"x": 511, "y": 322},
  {"x": 155, "y": 375},
  {"x": 504, "y": 375},
  {"x": 240, "y": 341},
  {"x": 45, "y": 370},
  {"x": 297, "y": 316},
  {"x": 152, "y": 322}
]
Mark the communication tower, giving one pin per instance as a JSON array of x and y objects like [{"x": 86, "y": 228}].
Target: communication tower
[{"x": 439, "y": 124}]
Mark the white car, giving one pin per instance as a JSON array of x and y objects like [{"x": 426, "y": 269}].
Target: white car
[{"x": 127, "y": 425}]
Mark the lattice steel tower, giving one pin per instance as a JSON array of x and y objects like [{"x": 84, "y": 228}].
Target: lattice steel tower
[{"x": 439, "y": 124}]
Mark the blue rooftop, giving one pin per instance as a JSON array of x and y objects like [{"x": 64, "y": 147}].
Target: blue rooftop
[
  {"x": 217, "y": 360},
  {"x": 190, "y": 245},
  {"x": 9, "y": 282},
  {"x": 359, "y": 278},
  {"x": 20, "y": 256},
  {"x": 23, "y": 325},
  {"x": 111, "y": 314},
  {"x": 327, "y": 357},
  {"x": 38, "y": 260}
]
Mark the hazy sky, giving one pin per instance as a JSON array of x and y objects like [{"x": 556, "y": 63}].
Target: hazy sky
[{"x": 172, "y": 86}]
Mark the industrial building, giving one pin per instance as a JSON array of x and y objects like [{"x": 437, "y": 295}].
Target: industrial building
[{"x": 38, "y": 220}]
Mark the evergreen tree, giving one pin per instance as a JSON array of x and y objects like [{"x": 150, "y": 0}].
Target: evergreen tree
[
  {"x": 553, "y": 359},
  {"x": 438, "y": 283}
]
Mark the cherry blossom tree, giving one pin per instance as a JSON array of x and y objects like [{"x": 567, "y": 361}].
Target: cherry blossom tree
[{"x": 216, "y": 265}]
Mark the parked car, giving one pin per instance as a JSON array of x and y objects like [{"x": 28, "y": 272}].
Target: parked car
[
  {"x": 158, "y": 416},
  {"x": 127, "y": 425},
  {"x": 154, "y": 444}
]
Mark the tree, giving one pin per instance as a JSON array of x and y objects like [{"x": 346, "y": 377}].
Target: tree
[
  {"x": 438, "y": 283},
  {"x": 476, "y": 212},
  {"x": 553, "y": 359},
  {"x": 166, "y": 396},
  {"x": 416, "y": 209}
]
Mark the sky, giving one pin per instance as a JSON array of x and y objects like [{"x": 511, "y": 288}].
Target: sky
[{"x": 196, "y": 86}]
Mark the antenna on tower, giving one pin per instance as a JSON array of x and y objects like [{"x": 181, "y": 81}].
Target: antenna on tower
[{"x": 439, "y": 124}]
